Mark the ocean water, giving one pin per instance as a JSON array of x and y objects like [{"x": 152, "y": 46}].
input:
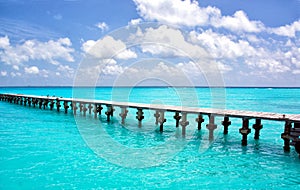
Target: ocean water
[{"x": 48, "y": 149}]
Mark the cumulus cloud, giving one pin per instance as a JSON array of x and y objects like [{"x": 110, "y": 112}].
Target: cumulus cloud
[
  {"x": 190, "y": 13},
  {"x": 3, "y": 73},
  {"x": 167, "y": 42},
  {"x": 287, "y": 30},
  {"x": 175, "y": 12},
  {"x": 50, "y": 51},
  {"x": 238, "y": 22},
  {"x": 4, "y": 42},
  {"x": 102, "y": 26},
  {"x": 107, "y": 48},
  {"x": 32, "y": 70},
  {"x": 135, "y": 21}
]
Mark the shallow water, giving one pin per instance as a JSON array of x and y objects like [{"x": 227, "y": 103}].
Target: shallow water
[{"x": 46, "y": 149}]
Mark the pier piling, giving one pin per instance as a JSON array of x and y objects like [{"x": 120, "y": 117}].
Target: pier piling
[
  {"x": 257, "y": 127},
  {"x": 226, "y": 123},
  {"x": 211, "y": 126},
  {"x": 245, "y": 131},
  {"x": 184, "y": 123},
  {"x": 199, "y": 120}
]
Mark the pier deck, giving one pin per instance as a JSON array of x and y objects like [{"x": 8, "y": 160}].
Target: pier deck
[{"x": 291, "y": 134}]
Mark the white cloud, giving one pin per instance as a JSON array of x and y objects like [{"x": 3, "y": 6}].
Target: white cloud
[
  {"x": 287, "y": 30},
  {"x": 16, "y": 67},
  {"x": 86, "y": 46},
  {"x": 175, "y": 12},
  {"x": 4, "y": 42},
  {"x": 222, "y": 46},
  {"x": 3, "y": 73},
  {"x": 107, "y": 48},
  {"x": 32, "y": 70},
  {"x": 238, "y": 22},
  {"x": 102, "y": 26},
  {"x": 135, "y": 21},
  {"x": 50, "y": 51},
  {"x": 189, "y": 13},
  {"x": 166, "y": 42},
  {"x": 17, "y": 74}
]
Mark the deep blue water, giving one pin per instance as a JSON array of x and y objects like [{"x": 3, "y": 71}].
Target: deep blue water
[{"x": 46, "y": 149}]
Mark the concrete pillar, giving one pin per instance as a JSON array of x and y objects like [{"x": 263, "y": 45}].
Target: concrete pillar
[
  {"x": 245, "y": 131},
  {"x": 45, "y": 103},
  {"x": 66, "y": 106},
  {"x": 140, "y": 116},
  {"x": 29, "y": 102},
  {"x": 199, "y": 120},
  {"x": 84, "y": 109},
  {"x": 156, "y": 115},
  {"x": 161, "y": 120},
  {"x": 40, "y": 103},
  {"x": 286, "y": 135},
  {"x": 123, "y": 114},
  {"x": 58, "y": 104},
  {"x": 90, "y": 108},
  {"x": 184, "y": 123},
  {"x": 21, "y": 100},
  {"x": 95, "y": 111},
  {"x": 257, "y": 127},
  {"x": 99, "y": 109},
  {"x": 51, "y": 105},
  {"x": 74, "y": 106},
  {"x": 109, "y": 112},
  {"x": 226, "y": 123},
  {"x": 25, "y": 101},
  {"x": 211, "y": 126},
  {"x": 177, "y": 117},
  {"x": 80, "y": 107}
]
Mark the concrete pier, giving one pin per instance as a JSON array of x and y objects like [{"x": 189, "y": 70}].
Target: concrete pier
[{"x": 290, "y": 135}]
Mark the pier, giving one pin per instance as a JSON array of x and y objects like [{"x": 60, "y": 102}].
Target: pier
[{"x": 290, "y": 135}]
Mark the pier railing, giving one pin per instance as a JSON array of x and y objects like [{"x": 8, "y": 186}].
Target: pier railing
[{"x": 290, "y": 135}]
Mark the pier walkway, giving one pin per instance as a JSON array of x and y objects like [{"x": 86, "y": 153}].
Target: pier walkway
[{"x": 290, "y": 135}]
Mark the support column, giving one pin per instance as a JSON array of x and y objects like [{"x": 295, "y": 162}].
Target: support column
[
  {"x": 109, "y": 112},
  {"x": 161, "y": 120},
  {"x": 51, "y": 105},
  {"x": 21, "y": 100},
  {"x": 74, "y": 108},
  {"x": 25, "y": 101},
  {"x": 156, "y": 115},
  {"x": 58, "y": 104},
  {"x": 140, "y": 116},
  {"x": 286, "y": 135},
  {"x": 257, "y": 127},
  {"x": 29, "y": 102},
  {"x": 245, "y": 131},
  {"x": 95, "y": 111},
  {"x": 66, "y": 106},
  {"x": 211, "y": 126},
  {"x": 123, "y": 114},
  {"x": 80, "y": 107},
  {"x": 90, "y": 108},
  {"x": 84, "y": 109},
  {"x": 99, "y": 109},
  {"x": 199, "y": 120},
  {"x": 226, "y": 123},
  {"x": 40, "y": 103},
  {"x": 184, "y": 123},
  {"x": 34, "y": 102},
  {"x": 45, "y": 103},
  {"x": 177, "y": 117}
]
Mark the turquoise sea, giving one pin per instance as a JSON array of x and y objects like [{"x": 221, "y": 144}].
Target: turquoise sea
[{"x": 48, "y": 149}]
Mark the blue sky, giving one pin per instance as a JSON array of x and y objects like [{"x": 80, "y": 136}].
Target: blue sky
[{"x": 250, "y": 42}]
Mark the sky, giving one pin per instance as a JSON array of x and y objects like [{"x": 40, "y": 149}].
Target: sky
[{"x": 141, "y": 42}]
